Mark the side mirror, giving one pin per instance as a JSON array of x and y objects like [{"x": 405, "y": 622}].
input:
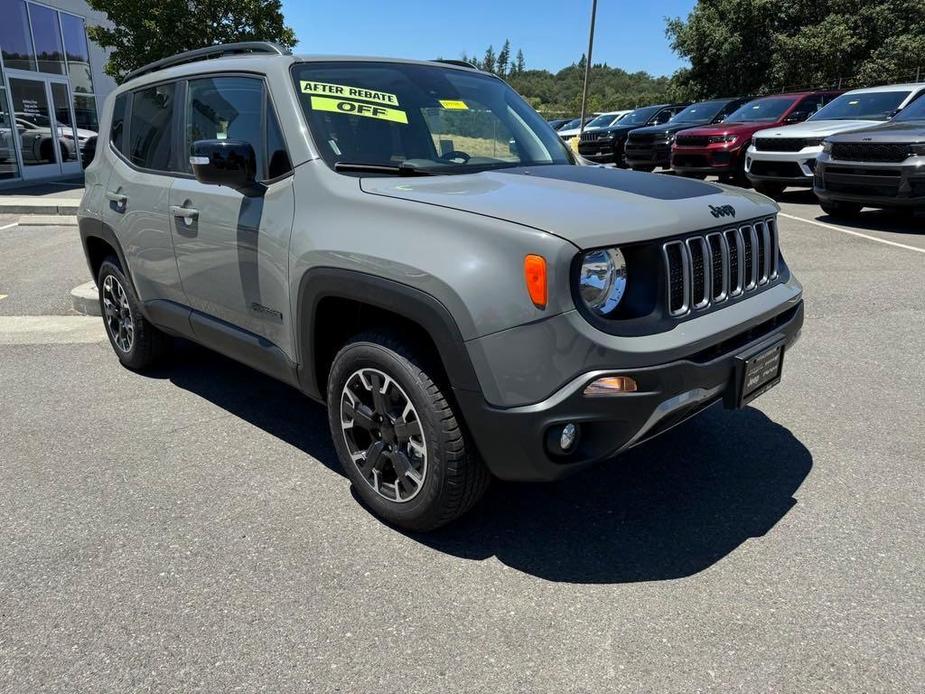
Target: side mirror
[
  {"x": 796, "y": 117},
  {"x": 231, "y": 163}
]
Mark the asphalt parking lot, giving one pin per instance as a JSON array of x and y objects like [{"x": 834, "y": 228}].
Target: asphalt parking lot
[{"x": 190, "y": 529}]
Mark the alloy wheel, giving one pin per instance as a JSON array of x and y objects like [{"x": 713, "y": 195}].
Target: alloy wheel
[
  {"x": 384, "y": 436},
  {"x": 117, "y": 314}
]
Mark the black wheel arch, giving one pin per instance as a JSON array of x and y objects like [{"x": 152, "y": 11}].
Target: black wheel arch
[
  {"x": 323, "y": 284},
  {"x": 99, "y": 242}
]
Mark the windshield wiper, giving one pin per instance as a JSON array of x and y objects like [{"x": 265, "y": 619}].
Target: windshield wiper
[{"x": 392, "y": 169}]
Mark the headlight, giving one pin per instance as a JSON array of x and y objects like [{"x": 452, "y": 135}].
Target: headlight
[
  {"x": 826, "y": 146},
  {"x": 602, "y": 281},
  {"x": 713, "y": 139}
]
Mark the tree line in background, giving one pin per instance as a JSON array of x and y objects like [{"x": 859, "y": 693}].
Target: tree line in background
[{"x": 743, "y": 47}]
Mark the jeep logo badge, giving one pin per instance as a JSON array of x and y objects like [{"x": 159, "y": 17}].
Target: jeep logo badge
[{"x": 722, "y": 211}]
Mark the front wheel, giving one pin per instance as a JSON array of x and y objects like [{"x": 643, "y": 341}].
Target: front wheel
[
  {"x": 840, "y": 209},
  {"x": 398, "y": 437}
]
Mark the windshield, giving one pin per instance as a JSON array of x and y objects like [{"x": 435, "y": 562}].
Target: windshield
[
  {"x": 602, "y": 121},
  {"x": 768, "y": 109},
  {"x": 870, "y": 106},
  {"x": 423, "y": 117},
  {"x": 703, "y": 112},
  {"x": 914, "y": 111},
  {"x": 640, "y": 116}
]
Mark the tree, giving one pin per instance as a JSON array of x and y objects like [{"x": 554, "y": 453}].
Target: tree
[
  {"x": 488, "y": 62},
  {"x": 504, "y": 59},
  {"x": 760, "y": 46},
  {"x": 520, "y": 65},
  {"x": 142, "y": 32}
]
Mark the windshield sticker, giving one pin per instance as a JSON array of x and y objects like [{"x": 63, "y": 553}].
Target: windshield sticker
[
  {"x": 309, "y": 87},
  {"x": 355, "y": 108},
  {"x": 452, "y": 105}
]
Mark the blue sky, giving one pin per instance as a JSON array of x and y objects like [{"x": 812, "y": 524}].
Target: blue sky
[{"x": 552, "y": 33}]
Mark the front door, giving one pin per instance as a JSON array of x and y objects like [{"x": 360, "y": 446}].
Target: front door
[
  {"x": 233, "y": 250},
  {"x": 43, "y": 119}
]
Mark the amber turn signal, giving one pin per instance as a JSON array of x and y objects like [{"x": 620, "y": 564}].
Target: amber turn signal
[
  {"x": 535, "y": 277},
  {"x": 610, "y": 385}
]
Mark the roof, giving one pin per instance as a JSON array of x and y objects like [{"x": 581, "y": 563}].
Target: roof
[{"x": 907, "y": 87}]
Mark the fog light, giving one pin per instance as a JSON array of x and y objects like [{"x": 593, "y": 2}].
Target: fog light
[
  {"x": 610, "y": 385},
  {"x": 569, "y": 434}
]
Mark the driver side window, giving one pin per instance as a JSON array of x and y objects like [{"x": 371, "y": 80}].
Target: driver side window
[{"x": 225, "y": 108}]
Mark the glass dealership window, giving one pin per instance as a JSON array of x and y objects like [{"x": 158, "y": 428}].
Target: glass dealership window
[
  {"x": 78, "y": 53},
  {"x": 15, "y": 36},
  {"x": 47, "y": 36},
  {"x": 9, "y": 168}
]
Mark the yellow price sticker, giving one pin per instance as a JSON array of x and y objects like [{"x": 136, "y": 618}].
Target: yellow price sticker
[
  {"x": 452, "y": 105},
  {"x": 355, "y": 108},
  {"x": 342, "y": 90}
]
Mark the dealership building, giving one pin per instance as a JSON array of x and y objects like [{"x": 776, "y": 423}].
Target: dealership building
[{"x": 52, "y": 89}]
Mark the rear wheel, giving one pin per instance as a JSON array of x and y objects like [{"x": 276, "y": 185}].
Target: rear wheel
[
  {"x": 840, "y": 209},
  {"x": 769, "y": 188},
  {"x": 136, "y": 342},
  {"x": 398, "y": 437}
]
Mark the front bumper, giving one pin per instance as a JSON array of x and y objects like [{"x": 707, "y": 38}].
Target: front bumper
[
  {"x": 715, "y": 160},
  {"x": 602, "y": 151},
  {"x": 790, "y": 168},
  {"x": 514, "y": 442},
  {"x": 656, "y": 154},
  {"x": 871, "y": 184}
]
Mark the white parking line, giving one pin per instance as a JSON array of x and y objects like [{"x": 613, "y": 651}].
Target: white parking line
[
  {"x": 9, "y": 226},
  {"x": 50, "y": 330},
  {"x": 851, "y": 232}
]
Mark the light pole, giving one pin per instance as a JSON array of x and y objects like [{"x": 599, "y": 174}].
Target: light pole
[{"x": 584, "y": 90}]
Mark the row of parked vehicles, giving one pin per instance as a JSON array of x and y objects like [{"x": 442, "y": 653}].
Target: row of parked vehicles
[{"x": 860, "y": 148}]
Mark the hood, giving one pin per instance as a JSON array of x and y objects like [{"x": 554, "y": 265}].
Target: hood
[
  {"x": 668, "y": 128},
  {"x": 621, "y": 130},
  {"x": 742, "y": 129},
  {"x": 588, "y": 205},
  {"x": 913, "y": 131},
  {"x": 820, "y": 128}
]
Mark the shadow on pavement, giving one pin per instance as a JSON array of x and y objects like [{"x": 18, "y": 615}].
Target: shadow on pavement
[
  {"x": 893, "y": 221},
  {"x": 667, "y": 509}
]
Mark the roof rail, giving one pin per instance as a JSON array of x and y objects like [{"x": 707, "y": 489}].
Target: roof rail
[
  {"x": 219, "y": 51},
  {"x": 457, "y": 63}
]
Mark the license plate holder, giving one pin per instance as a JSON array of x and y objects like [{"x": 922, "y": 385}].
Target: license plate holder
[{"x": 756, "y": 372}]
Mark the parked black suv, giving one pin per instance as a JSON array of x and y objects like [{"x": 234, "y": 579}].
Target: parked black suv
[
  {"x": 605, "y": 146},
  {"x": 650, "y": 147},
  {"x": 882, "y": 167}
]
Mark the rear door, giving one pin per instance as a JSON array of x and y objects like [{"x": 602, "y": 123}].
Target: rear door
[
  {"x": 232, "y": 250},
  {"x": 136, "y": 193}
]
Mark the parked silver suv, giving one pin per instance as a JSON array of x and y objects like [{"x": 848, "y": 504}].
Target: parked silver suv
[{"x": 412, "y": 244}]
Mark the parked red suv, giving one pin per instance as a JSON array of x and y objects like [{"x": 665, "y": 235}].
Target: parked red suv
[{"x": 720, "y": 149}]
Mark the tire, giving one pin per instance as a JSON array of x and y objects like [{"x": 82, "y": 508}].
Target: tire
[
  {"x": 644, "y": 169},
  {"x": 840, "y": 209},
  {"x": 698, "y": 176},
  {"x": 772, "y": 190},
  {"x": 419, "y": 481},
  {"x": 136, "y": 342}
]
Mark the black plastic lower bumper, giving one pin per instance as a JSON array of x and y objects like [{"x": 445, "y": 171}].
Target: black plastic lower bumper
[
  {"x": 881, "y": 186},
  {"x": 515, "y": 442}
]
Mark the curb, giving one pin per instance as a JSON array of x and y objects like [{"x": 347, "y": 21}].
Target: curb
[
  {"x": 86, "y": 299},
  {"x": 25, "y": 205},
  {"x": 48, "y": 220}
]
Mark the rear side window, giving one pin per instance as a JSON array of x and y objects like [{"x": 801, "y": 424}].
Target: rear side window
[
  {"x": 117, "y": 129},
  {"x": 151, "y": 131}
]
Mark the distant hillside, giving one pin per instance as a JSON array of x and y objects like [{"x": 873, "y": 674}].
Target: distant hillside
[{"x": 611, "y": 89}]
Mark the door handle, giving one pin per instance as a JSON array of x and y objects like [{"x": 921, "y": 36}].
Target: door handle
[
  {"x": 187, "y": 213},
  {"x": 117, "y": 198}
]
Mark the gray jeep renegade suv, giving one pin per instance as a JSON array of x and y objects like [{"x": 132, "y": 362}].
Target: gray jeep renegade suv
[{"x": 412, "y": 244}]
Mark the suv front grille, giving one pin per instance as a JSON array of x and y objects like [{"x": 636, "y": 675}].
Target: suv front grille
[
  {"x": 871, "y": 151},
  {"x": 779, "y": 144},
  {"x": 706, "y": 270},
  {"x": 642, "y": 138},
  {"x": 692, "y": 140},
  {"x": 594, "y": 136}
]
